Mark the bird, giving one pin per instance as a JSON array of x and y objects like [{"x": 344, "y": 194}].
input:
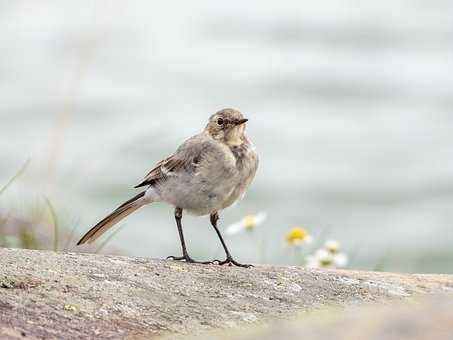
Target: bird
[{"x": 208, "y": 173}]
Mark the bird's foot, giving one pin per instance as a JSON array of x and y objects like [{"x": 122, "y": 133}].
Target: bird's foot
[
  {"x": 230, "y": 261},
  {"x": 188, "y": 259}
]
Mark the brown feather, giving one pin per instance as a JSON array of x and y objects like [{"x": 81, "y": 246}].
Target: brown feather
[
  {"x": 170, "y": 164},
  {"x": 121, "y": 212}
]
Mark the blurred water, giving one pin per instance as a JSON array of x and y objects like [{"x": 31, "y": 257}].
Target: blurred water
[{"x": 350, "y": 105}]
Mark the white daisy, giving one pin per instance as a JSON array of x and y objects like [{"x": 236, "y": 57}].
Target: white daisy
[
  {"x": 341, "y": 260},
  {"x": 321, "y": 259},
  {"x": 328, "y": 257},
  {"x": 249, "y": 223},
  {"x": 332, "y": 246}
]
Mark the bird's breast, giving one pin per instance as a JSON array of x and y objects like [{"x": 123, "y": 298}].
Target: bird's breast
[{"x": 246, "y": 166}]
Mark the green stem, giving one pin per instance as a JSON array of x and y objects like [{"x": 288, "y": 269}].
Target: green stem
[
  {"x": 71, "y": 234},
  {"x": 54, "y": 220},
  {"x": 16, "y": 176}
]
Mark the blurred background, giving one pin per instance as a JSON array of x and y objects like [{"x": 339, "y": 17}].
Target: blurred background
[{"x": 350, "y": 107}]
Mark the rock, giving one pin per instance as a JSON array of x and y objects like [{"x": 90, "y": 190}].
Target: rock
[
  {"x": 73, "y": 295},
  {"x": 418, "y": 319}
]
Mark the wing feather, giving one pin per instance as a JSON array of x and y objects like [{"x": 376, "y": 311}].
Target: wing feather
[
  {"x": 188, "y": 157},
  {"x": 165, "y": 168}
]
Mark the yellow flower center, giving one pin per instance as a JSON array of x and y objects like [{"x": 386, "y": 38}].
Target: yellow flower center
[
  {"x": 332, "y": 246},
  {"x": 296, "y": 235},
  {"x": 326, "y": 262},
  {"x": 249, "y": 222}
]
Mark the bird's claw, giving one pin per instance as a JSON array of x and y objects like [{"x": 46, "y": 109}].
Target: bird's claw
[
  {"x": 176, "y": 258},
  {"x": 187, "y": 259},
  {"x": 230, "y": 262},
  {"x": 215, "y": 262}
]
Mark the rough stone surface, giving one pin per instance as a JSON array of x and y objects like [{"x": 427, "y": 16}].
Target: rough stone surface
[
  {"x": 419, "y": 319},
  {"x": 67, "y": 295}
]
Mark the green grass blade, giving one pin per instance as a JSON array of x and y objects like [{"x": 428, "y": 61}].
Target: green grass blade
[
  {"x": 71, "y": 234},
  {"x": 16, "y": 176},
  {"x": 54, "y": 220}
]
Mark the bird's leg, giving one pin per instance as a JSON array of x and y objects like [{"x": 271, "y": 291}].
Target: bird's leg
[
  {"x": 229, "y": 260},
  {"x": 185, "y": 256}
]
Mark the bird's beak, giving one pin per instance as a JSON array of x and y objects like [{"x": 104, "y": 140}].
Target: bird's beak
[{"x": 241, "y": 121}]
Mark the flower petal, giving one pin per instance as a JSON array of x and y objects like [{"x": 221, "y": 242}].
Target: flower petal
[
  {"x": 234, "y": 228},
  {"x": 322, "y": 254},
  {"x": 308, "y": 239},
  {"x": 260, "y": 217},
  {"x": 340, "y": 260},
  {"x": 332, "y": 246}
]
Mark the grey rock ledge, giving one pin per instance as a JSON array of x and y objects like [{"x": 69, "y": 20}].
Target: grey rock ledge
[{"x": 72, "y": 295}]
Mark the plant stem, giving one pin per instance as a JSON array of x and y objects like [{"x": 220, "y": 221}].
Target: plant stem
[
  {"x": 54, "y": 220},
  {"x": 16, "y": 176}
]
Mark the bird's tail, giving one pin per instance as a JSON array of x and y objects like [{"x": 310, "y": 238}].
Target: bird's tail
[{"x": 121, "y": 212}]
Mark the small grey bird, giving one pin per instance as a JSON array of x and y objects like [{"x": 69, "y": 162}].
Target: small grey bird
[{"x": 208, "y": 173}]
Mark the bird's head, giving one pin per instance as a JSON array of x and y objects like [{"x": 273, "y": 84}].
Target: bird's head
[{"x": 228, "y": 126}]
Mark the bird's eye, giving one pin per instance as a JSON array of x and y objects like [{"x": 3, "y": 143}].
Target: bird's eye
[{"x": 220, "y": 121}]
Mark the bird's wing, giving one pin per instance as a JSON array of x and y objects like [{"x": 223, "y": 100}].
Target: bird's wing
[
  {"x": 165, "y": 168},
  {"x": 187, "y": 158}
]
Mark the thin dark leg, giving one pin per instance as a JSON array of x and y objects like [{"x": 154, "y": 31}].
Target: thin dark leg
[
  {"x": 229, "y": 260},
  {"x": 185, "y": 256}
]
